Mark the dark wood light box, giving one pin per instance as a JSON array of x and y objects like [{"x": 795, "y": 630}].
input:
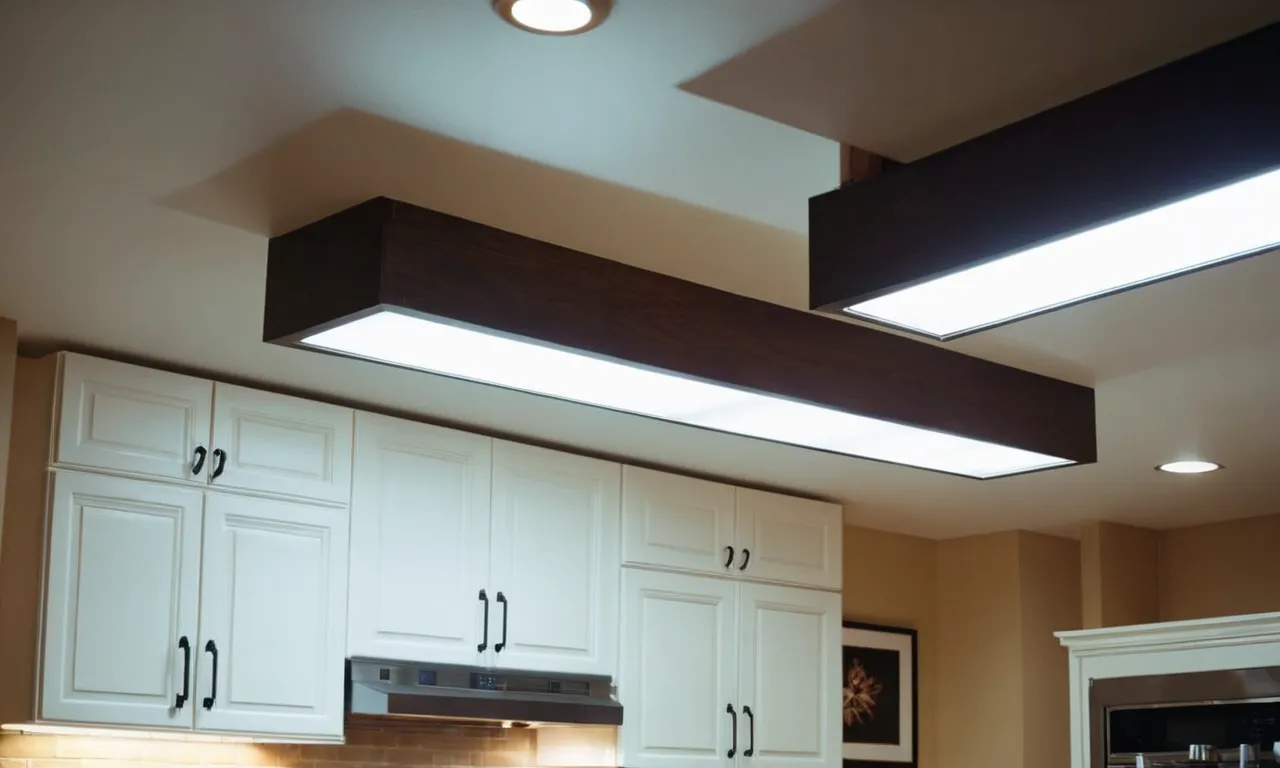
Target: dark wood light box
[
  {"x": 1188, "y": 127},
  {"x": 389, "y": 254}
]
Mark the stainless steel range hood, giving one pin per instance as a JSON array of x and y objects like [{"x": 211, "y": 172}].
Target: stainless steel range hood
[{"x": 401, "y": 689}]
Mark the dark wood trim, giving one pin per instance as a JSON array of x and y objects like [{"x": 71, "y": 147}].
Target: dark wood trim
[
  {"x": 1195, "y": 124},
  {"x": 858, "y": 164},
  {"x": 915, "y": 695},
  {"x": 469, "y": 273}
]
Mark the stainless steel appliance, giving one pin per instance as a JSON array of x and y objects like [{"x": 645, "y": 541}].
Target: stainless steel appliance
[
  {"x": 1190, "y": 719},
  {"x": 403, "y": 689}
]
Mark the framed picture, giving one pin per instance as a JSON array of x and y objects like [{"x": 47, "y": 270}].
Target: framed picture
[{"x": 878, "y": 674}]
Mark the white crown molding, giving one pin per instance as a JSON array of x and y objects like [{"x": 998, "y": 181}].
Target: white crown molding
[{"x": 1174, "y": 635}]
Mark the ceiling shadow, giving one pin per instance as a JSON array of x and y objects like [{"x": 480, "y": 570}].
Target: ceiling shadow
[{"x": 349, "y": 156}]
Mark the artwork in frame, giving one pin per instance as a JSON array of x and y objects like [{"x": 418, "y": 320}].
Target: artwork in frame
[{"x": 878, "y": 713}]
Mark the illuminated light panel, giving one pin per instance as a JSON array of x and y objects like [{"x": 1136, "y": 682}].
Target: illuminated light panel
[
  {"x": 438, "y": 347},
  {"x": 1227, "y": 223}
]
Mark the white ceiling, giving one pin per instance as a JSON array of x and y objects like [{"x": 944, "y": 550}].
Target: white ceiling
[{"x": 149, "y": 147}]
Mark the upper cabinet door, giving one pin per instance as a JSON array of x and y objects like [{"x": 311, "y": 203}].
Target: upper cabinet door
[
  {"x": 272, "y": 618},
  {"x": 677, "y": 522},
  {"x": 555, "y": 565},
  {"x": 123, "y": 417},
  {"x": 123, "y": 591},
  {"x": 789, "y": 677},
  {"x": 790, "y": 540},
  {"x": 679, "y": 670},
  {"x": 279, "y": 444},
  {"x": 419, "y": 543}
]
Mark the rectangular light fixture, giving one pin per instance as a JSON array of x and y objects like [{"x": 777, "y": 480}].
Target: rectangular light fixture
[
  {"x": 1172, "y": 171},
  {"x": 451, "y": 350},
  {"x": 402, "y": 285},
  {"x": 1209, "y": 228}
]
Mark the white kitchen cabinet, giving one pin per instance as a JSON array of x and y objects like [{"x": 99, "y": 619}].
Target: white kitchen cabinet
[
  {"x": 555, "y": 561},
  {"x": 694, "y": 646},
  {"x": 789, "y": 540},
  {"x": 127, "y": 418},
  {"x": 280, "y": 445},
  {"x": 419, "y": 542},
  {"x": 789, "y": 680},
  {"x": 683, "y": 523},
  {"x": 122, "y": 595},
  {"x": 679, "y": 669},
  {"x": 677, "y": 522},
  {"x": 272, "y": 618}
]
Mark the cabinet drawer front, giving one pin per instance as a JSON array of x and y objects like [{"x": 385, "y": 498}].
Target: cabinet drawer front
[
  {"x": 677, "y": 522},
  {"x": 555, "y": 560},
  {"x": 679, "y": 669},
  {"x": 123, "y": 589},
  {"x": 790, "y": 675},
  {"x": 791, "y": 540},
  {"x": 419, "y": 542},
  {"x": 273, "y": 604},
  {"x": 132, "y": 419},
  {"x": 283, "y": 445}
]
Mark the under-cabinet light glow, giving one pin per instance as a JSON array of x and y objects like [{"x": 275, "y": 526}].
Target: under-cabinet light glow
[
  {"x": 1226, "y": 223},
  {"x": 442, "y": 348}
]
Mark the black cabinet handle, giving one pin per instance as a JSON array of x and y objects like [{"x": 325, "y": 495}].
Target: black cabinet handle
[
  {"x": 185, "y": 645},
  {"x": 197, "y": 463},
  {"x": 210, "y": 648},
  {"x": 734, "y": 749},
  {"x": 506, "y": 607},
  {"x": 728, "y": 561},
  {"x": 485, "y": 599},
  {"x": 751, "y": 722},
  {"x": 220, "y": 456},
  {"x": 746, "y": 558}
]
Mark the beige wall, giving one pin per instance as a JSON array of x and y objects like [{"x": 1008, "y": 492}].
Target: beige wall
[
  {"x": 979, "y": 644},
  {"x": 8, "y": 359},
  {"x": 1119, "y": 574},
  {"x": 23, "y": 541},
  {"x": 890, "y": 579},
  {"x": 1220, "y": 569},
  {"x": 1049, "y": 576}
]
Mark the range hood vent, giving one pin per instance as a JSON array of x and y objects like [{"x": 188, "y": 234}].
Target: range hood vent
[{"x": 401, "y": 689}]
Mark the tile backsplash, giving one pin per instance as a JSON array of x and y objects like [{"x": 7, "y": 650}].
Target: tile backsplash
[{"x": 370, "y": 744}]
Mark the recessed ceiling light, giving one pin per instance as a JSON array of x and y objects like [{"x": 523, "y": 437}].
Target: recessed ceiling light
[
  {"x": 554, "y": 17},
  {"x": 1189, "y": 467}
]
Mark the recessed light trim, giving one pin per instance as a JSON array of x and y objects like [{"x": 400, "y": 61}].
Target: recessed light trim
[
  {"x": 1210, "y": 228},
  {"x": 1189, "y": 467},
  {"x": 472, "y": 354},
  {"x": 554, "y": 17}
]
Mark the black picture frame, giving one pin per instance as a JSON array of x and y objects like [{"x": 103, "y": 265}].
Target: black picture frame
[{"x": 878, "y": 637}]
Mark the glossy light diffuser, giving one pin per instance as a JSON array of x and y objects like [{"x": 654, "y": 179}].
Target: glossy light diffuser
[
  {"x": 406, "y": 286},
  {"x": 1227, "y": 223},
  {"x": 447, "y": 349}
]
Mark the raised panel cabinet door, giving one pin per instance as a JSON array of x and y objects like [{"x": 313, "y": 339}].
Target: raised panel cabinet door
[
  {"x": 123, "y": 593},
  {"x": 279, "y": 444},
  {"x": 128, "y": 418},
  {"x": 419, "y": 543},
  {"x": 555, "y": 568},
  {"x": 789, "y": 684},
  {"x": 272, "y": 618},
  {"x": 679, "y": 670},
  {"x": 796, "y": 541},
  {"x": 677, "y": 522}
]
